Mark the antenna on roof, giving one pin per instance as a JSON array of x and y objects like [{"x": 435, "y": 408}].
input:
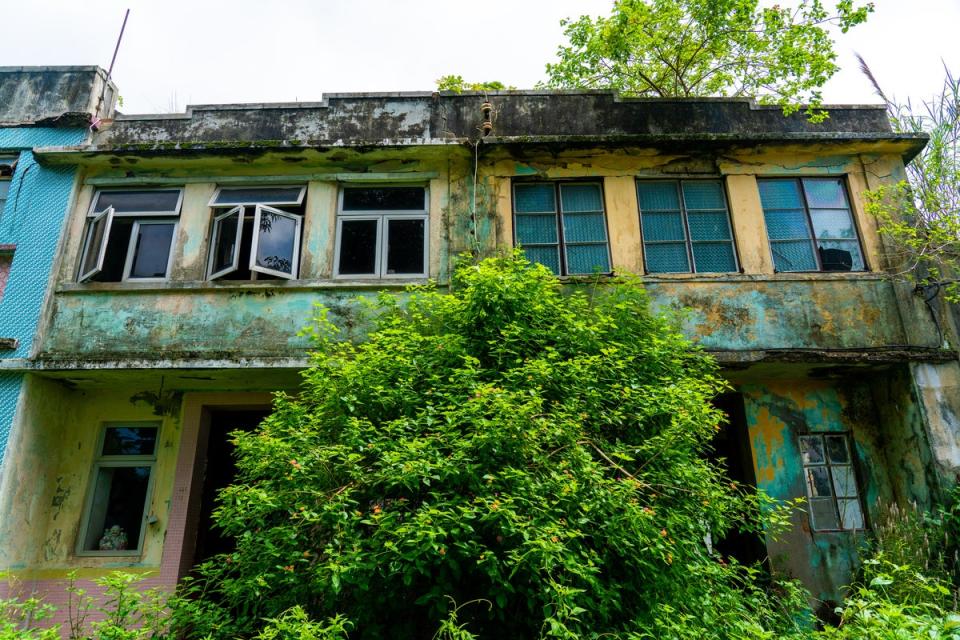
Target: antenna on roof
[{"x": 95, "y": 120}]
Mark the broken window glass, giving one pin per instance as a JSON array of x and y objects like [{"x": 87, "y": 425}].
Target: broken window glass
[
  {"x": 811, "y": 449},
  {"x": 832, "y": 493}
]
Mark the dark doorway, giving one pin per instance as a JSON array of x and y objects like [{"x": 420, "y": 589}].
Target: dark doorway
[
  {"x": 219, "y": 471},
  {"x": 731, "y": 449}
]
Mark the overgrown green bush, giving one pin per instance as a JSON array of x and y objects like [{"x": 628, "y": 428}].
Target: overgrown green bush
[{"x": 534, "y": 453}]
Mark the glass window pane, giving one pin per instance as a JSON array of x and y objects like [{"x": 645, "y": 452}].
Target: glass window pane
[
  {"x": 584, "y": 227},
  {"x": 667, "y": 258},
  {"x": 277, "y": 242},
  {"x": 225, "y": 241},
  {"x": 793, "y": 255},
  {"x": 147, "y": 201},
  {"x": 4, "y": 190},
  {"x": 659, "y": 227},
  {"x": 116, "y": 514},
  {"x": 832, "y": 223},
  {"x": 708, "y": 225},
  {"x": 129, "y": 441},
  {"x": 537, "y": 228},
  {"x": 534, "y": 198},
  {"x": 590, "y": 258},
  {"x": 851, "y": 516},
  {"x": 840, "y": 255},
  {"x": 580, "y": 197},
  {"x": 825, "y": 193},
  {"x": 780, "y": 194},
  {"x": 713, "y": 257},
  {"x": 837, "y": 449},
  {"x": 658, "y": 196},
  {"x": 547, "y": 256},
  {"x": 384, "y": 199},
  {"x": 823, "y": 514},
  {"x": 358, "y": 247},
  {"x": 259, "y": 195},
  {"x": 818, "y": 482},
  {"x": 94, "y": 242},
  {"x": 844, "y": 483},
  {"x": 786, "y": 225},
  {"x": 704, "y": 194},
  {"x": 811, "y": 449},
  {"x": 151, "y": 251},
  {"x": 405, "y": 246}
]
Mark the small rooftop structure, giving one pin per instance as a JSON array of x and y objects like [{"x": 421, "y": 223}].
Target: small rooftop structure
[{"x": 55, "y": 96}]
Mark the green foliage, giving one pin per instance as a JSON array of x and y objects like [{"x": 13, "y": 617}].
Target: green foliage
[
  {"x": 296, "y": 625},
  {"x": 19, "y": 617},
  {"x": 693, "y": 48},
  {"x": 535, "y": 453},
  {"x": 920, "y": 215},
  {"x": 458, "y": 85}
]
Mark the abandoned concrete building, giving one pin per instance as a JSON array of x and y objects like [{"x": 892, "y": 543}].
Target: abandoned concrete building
[{"x": 197, "y": 243}]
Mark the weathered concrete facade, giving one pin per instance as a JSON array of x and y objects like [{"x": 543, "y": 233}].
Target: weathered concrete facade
[{"x": 847, "y": 359}]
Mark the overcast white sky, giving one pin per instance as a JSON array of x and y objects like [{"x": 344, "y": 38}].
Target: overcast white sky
[{"x": 179, "y": 52}]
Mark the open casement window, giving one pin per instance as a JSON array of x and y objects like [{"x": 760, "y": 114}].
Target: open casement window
[
  {"x": 116, "y": 509},
  {"x": 129, "y": 235},
  {"x": 382, "y": 232},
  {"x": 832, "y": 493},
  {"x": 562, "y": 225},
  {"x": 252, "y": 237}
]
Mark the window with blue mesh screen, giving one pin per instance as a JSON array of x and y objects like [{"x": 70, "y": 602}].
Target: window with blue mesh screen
[
  {"x": 810, "y": 225},
  {"x": 685, "y": 226},
  {"x": 562, "y": 225}
]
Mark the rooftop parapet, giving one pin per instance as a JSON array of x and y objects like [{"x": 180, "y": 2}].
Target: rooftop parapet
[{"x": 55, "y": 96}]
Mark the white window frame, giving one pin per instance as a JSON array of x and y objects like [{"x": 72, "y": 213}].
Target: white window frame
[
  {"x": 118, "y": 461},
  {"x": 278, "y": 203},
  {"x": 137, "y": 214},
  {"x": 128, "y": 264},
  {"x": 108, "y": 213},
  {"x": 214, "y": 238},
  {"x": 295, "y": 266},
  {"x": 383, "y": 217}
]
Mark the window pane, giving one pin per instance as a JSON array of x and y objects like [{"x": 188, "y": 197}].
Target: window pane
[
  {"x": 358, "y": 247},
  {"x": 537, "y": 228},
  {"x": 708, "y": 225},
  {"x": 832, "y": 223},
  {"x": 840, "y": 255},
  {"x": 825, "y": 193},
  {"x": 151, "y": 253},
  {"x": 823, "y": 514},
  {"x": 780, "y": 194},
  {"x": 547, "y": 256},
  {"x": 703, "y": 195},
  {"x": 150, "y": 201},
  {"x": 225, "y": 242},
  {"x": 584, "y": 227},
  {"x": 818, "y": 482},
  {"x": 384, "y": 199},
  {"x": 714, "y": 257},
  {"x": 851, "y": 516},
  {"x": 786, "y": 225},
  {"x": 658, "y": 227},
  {"x": 534, "y": 198},
  {"x": 6, "y": 260},
  {"x": 811, "y": 449},
  {"x": 4, "y": 190},
  {"x": 837, "y": 449},
  {"x": 793, "y": 255},
  {"x": 405, "y": 246},
  {"x": 667, "y": 258},
  {"x": 844, "y": 483},
  {"x": 658, "y": 195},
  {"x": 259, "y": 195},
  {"x": 116, "y": 514},
  {"x": 129, "y": 441},
  {"x": 580, "y": 197},
  {"x": 95, "y": 232},
  {"x": 277, "y": 242},
  {"x": 590, "y": 258}
]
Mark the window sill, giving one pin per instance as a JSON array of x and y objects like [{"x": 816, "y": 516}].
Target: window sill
[
  {"x": 240, "y": 285},
  {"x": 793, "y": 276}
]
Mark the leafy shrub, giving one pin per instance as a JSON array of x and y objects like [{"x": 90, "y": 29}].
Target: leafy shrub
[{"x": 507, "y": 443}]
